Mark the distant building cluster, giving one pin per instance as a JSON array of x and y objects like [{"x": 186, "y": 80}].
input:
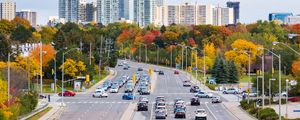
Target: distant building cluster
[
  {"x": 285, "y": 18},
  {"x": 8, "y": 12},
  {"x": 144, "y": 12}
]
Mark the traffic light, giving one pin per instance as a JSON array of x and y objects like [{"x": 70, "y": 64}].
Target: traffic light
[{"x": 133, "y": 78}]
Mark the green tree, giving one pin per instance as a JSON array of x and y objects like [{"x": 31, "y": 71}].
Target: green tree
[
  {"x": 220, "y": 70},
  {"x": 6, "y": 27},
  {"x": 21, "y": 34},
  {"x": 233, "y": 74},
  {"x": 5, "y": 47},
  {"x": 48, "y": 34}
]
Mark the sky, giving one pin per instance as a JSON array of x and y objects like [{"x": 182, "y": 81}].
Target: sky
[{"x": 250, "y": 10}]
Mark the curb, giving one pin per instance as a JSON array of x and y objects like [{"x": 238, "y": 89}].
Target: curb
[{"x": 34, "y": 112}]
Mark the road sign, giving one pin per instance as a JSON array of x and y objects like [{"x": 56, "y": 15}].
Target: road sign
[
  {"x": 296, "y": 110},
  {"x": 241, "y": 85},
  {"x": 248, "y": 90},
  {"x": 150, "y": 71},
  {"x": 195, "y": 69}
]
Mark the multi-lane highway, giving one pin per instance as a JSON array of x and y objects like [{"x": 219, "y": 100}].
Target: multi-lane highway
[{"x": 169, "y": 85}]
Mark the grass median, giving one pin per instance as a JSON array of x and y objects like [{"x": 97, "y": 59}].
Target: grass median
[{"x": 40, "y": 114}]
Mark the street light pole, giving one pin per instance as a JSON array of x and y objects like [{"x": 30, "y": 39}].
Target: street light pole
[
  {"x": 41, "y": 67},
  {"x": 8, "y": 76},
  {"x": 263, "y": 80},
  {"x": 286, "y": 98},
  {"x": 171, "y": 62}
]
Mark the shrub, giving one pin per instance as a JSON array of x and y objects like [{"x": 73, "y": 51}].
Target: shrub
[
  {"x": 28, "y": 102},
  {"x": 247, "y": 106},
  {"x": 254, "y": 110},
  {"x": 267, "y": 114},
  {"x": 211, "y": 86}
]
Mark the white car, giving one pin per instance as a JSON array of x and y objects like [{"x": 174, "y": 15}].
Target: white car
[
  {"x": 114, "y": 90},
  {"x": 231, "y": 91},
  {"x": 161, "y": 108},
  {"x": 200, "y": 114},
  {"x": 100, "y": 94},
  {"x": 203, "y": 94}
]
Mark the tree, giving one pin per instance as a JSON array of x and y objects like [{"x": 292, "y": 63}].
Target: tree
[
  {"x": 238, "y": 54},
  {"x": 149, "y": 38},
  {"x": 5, "y": 47},
  {"x": 220, "y": 71},
  {"x": 296, "y": 68},
  {"x": 3, "y": 90},
  {"x": 73, "y": 68},
  {"x": 6, "y": 27},
  {"x": 21, "y": 22},
  {"x": 35, "y": 37},
  {"x": 170, "y": 37},
  {"x": 163, "y": 29},
  {"x": 192, "y": 42},
  {"x": 233, "y": 74},
  {"x": 47, "y": 54},
  {"x": 48, "y": 34},
  {"x": 21, "y": 34}
]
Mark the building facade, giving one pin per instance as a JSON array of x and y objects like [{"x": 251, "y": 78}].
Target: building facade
[
  {"x": 223, "y": 16},
  {"x": 236, "y": 10},
  {"x": 82, "y": 13},
  {"x": 107, "y": 11},
  {"x": 205, "y": 14},
  {"x": 279, "y": 16},
  {"x": 143, "y": 12},
  {"x": 69, "y": 10},
  {"x": 7, "y": 10},
  {"x": 292, "y": 20},
  {"x": 188, "y": 14},
  {"x": 90, "y": 12},
  {"x": 28, "y": 15}
]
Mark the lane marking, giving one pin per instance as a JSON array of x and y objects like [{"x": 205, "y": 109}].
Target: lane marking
[{"x": 210, "y": 111}]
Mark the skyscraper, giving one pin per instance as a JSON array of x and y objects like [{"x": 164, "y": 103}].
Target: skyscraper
[
  {"x": 7, "y": 10},
  {"x": 90, "y": 12},
  {"x": 236, "y": 10},
  {"x": 82, "y": 7},
  {"x": 124, "y": 9},
  {"x": 188, "y": 14},
  {"x": 205, "y": 14},
  {"x": 223, "y": 16},
  {"x": 68, "y": 10},
  {"x": 28, "y": 15},
  {"x": 107, "y": 11},
  {"x": 143, "y": 12}
]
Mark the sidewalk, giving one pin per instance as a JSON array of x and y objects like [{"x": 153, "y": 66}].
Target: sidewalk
[
  {"x": 237, "y": 111},
  {"x": 291, "y": 107}
]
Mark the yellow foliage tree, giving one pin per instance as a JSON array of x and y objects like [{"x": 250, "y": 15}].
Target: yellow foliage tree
[
  {"x": 210, "y": 50},
  {"x": 3, "y": 91},
  {"x": 73, "y": 68},
  {"x": 238, "y": 54}
]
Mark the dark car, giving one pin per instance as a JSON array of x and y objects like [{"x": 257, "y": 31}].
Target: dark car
[
  {"x": 67, "y": 93},
  {"x": 125, "y": 67},
  {"x": 161, "y": 72},
  {"x": 195, "y": 101},
  {"x": 160, "y": 115},
  {"x": 176, "y": 72},
  {"x": 180, "y": 113},
  {"x": 140, "y": 69},
  {"x": 194, "y": 89},
  {"x": 142, "y": 106}
]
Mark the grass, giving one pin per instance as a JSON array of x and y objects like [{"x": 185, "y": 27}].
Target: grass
[
  {"x": 40, "y": 114},
  {"x": 245, "y": 78}
]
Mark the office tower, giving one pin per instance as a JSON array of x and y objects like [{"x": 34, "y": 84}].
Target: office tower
[
  {"x": 107, "y": 11},
  {"x": 143, "y": 12},
  {"x": 68, "y": 10},
  {"x": 7, "y": 10},
  {"x": 236, "y": 10},
  {"x": 28, "y": 15},
  {"x": 90, "y": 12},
  {"x": 124, "y": 9},
  {"x": 223, "y": 16},
  {"x": 279, "y": 16}
]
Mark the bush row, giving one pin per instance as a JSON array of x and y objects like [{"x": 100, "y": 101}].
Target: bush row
[{"x": 259, "y": 113}]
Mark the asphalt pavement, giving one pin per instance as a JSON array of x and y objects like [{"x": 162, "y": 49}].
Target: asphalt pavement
[{"x": 85, "y": 107}]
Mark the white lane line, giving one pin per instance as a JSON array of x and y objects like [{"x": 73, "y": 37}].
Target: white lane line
[
  {"x": 90, "y": 102},
  {"x": 101, "y": 102},
  {"x": 119, "y": 102},
  {"x": 96, "y": 102},
  {"x": 79, "y": 102},
  {"x": 84, "y": 102},
  {"x": 210, "y": 111},
  {"x": 107, "y": 102},
  {"x": 151, "y": 113}
]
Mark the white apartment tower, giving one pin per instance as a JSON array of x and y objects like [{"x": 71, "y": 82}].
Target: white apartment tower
[
  {"x": 82, "y": 7},
  {"x": 107, "y": 11},
  {"x": 223, "y": 16},
  {"x": 68, "y": 10},
  {"x": 28, "y": 15},
  {"x": 205, "y": 14},
  {"x": 188, "y": 14},
  {"x": 7, "y": 10},
  {"x": 143, "y": 12}
]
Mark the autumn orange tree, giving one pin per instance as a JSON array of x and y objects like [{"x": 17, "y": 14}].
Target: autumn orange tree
[
  {"x": 47, "y": 54},
  {"x": 296, "y": 68}
]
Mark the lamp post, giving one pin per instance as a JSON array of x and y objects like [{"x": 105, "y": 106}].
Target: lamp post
[
  {"x": 286, "y": 98},
  {"x": 182, "y": 50},
  {"x": 8, "y": 75},
  {"x": 275, "y": 43},
  {"x": 263, "y": 78},
  {"x": 270, "y": 90},
  {"x": 249, "y": 63},
  {"x": 157, "y": 53},
  {"x": 63, "y": 69},
  {"x": 279, "y": 75}
]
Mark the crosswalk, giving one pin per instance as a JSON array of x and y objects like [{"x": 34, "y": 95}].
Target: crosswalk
[{"x": 96, "y": 102}]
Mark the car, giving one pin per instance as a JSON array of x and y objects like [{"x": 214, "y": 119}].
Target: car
[
  {"x": 67, "y": 93},
  {"x": 200, "y": 114},
  {"x": 145, "y": 91},
  {"x": 142, "y": 106},
  {"x": 180, "y": 113},
  {"x": 294, "y": 99},
  {"x": 114, "y": 89},
  {"x": 156, "y": 70},
  {"x": 186, "y": 83},
  {"x": 143, "y": 99},
  {"x": 100, "y": 94},
  {"x": 176, "y": 72},
  {"x": 120, "y": 64},
  {"x": 161, "y": 72},
  {"x": 125, "y": 67},
  {"x": 160, "y": 115},
  {"x": 160, "y": 104},
  {"x": 195, "y": 101},
  {"x": 231, "y": 91},
  {"x": 129, "y": 87},
  {"x": 160, "y": 98},
  {"x": 212, "y": 80},
  {"x": 140, "y": 69},
  {"x": 216, "y": 99},
  {"x": 194, "y": 89},
  {"x": 252, "y": 94},
  {"x": 161, "y": 108},
  {"x": 128, "y": 96},
  {"x": 203, "y": 94}
]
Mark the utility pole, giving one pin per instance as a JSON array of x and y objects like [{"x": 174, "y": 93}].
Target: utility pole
[
  {"x": 263, "y": 80},
  {"x": 100, "y": 52},
  {"x": 90, "y": 52}
]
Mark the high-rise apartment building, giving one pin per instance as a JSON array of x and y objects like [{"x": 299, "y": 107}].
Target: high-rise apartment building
[
  {"x": 7, "y": 10},
  {"x": 188, "y": 14},
  {"x": 292, "y": 19},
  {"x": 223, "y": 16},
  {"x": 69, "y": 10},
  {"x": 124, "y": 9},
  {"x": 236, "y": 10},
  {"x": 82, "y": 7},
  {"x": 28, "y": 15},
  {"x": 107, "y": 11},
  {"x": 143, "y": 12},
  {"x": 90, "y": 12},
  {"x": 205, "y": 14}
]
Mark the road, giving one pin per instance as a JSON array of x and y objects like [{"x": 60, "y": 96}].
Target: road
[{"x": 85, "y": 107}]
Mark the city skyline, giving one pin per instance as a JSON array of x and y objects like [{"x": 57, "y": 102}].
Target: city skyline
[{"x": 255, "y": 8}]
